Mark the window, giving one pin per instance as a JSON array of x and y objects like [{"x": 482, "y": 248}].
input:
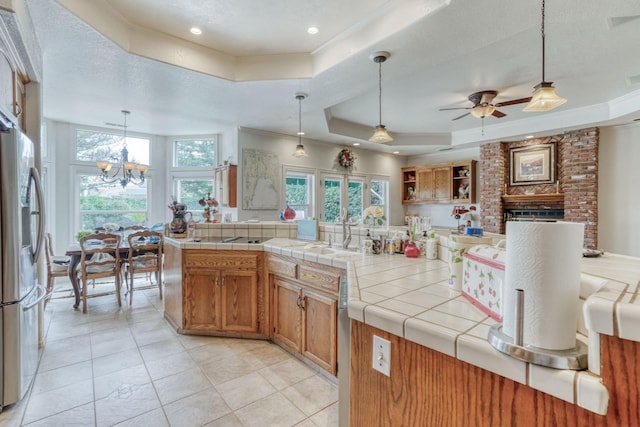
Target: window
[
  {"x": 332, "y": 199},
  {"x": 188, "y": 153},
  {"x": 299, "y": 193},
  {"x": 93, "y": 145},
  {"x": 355, "y": 197},
  {"x": 194, "y": 160},
  {"x": 101, "y": 203},
  {"x": 379, "y": 194}
]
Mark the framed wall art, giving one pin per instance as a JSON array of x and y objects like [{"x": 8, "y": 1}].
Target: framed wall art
[{"x": 532, "y": 165}]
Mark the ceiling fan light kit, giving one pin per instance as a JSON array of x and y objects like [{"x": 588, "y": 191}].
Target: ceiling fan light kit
[
  {"x": 482, "y": 111},
  {"x": 544, "y": 97},
  {"x": 299, "y": 151},
  {"x": 380, "y": 133}
]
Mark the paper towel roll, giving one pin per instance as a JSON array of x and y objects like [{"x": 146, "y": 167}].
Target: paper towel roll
[{"x": 543, "y": 259}]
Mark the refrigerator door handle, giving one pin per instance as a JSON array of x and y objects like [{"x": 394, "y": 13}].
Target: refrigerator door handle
[
  {"x": 35, "y": 176},
  {"x": 43, "y": 295}
]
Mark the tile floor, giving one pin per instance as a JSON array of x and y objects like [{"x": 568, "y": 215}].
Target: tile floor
[{"x": 127, "y": 367}]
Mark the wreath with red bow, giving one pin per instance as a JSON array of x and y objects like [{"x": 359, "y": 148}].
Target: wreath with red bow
[{"x": 346, "y": 158}]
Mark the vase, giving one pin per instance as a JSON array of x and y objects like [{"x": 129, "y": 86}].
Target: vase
[{"x": 411, "y": 250}]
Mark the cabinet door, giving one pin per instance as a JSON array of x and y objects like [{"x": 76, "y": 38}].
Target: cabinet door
[
  {"x": 319, "y": 337},
  {"x": 425, "y": 184},
  {"x": 201, "y": 308},
  {"x": 442, "y": 183},
  {"x": 287, "y": 316},
  {"x": 239, "y": 301}
]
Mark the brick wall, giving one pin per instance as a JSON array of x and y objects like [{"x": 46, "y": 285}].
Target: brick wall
[{"x": 577, "y": 176}]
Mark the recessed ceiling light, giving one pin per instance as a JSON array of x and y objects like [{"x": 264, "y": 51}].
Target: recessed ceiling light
[
  {"x": 396, "y": 152},
  {"x": 312, "y": 30},
  {"x": 528, "y": 136},
  {"x": 195, "y": 30},
  {"x": 356, "y": 144}
]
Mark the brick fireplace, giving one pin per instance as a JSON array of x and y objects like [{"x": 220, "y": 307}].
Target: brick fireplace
[{"x": 576, "y": 193}]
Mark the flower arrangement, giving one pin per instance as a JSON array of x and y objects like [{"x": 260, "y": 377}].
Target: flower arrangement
[
  {"x": 346, "y": 158},
  {"x": 374, "y": 215}
]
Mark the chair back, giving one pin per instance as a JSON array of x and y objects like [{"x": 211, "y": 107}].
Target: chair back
[
  {"x": 48, "y": 249},
  {"x": 100, "y": 255},
  {"x": 145, "y": 251}
]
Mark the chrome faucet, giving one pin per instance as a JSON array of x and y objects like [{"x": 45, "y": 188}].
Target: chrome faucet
[{"x": 346, "y": 229}]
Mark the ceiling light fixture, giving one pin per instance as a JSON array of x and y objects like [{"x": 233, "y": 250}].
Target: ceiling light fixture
[
  {"x": 544, "y": 97},
  {"x": 128, "y": 168},
  {"x": 483, "y": 110},
  {"x": 312, "y": 30},
  {"x": 300, "y": 148},
  {"x": 355, "y": 144},
  {"x": 196, "y": 31},
  {"x": 380, "y": 133}
]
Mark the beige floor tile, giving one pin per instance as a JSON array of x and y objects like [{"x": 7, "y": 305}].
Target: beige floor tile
[
  {"x": 193, "y": 341},
  {"x": 65, "y": 352},
  {"x": 126, "y": 403},
  {"x": 170, "y": 365},
  {"x": 245, "y": 390},
  {"x": 155, "y": 418},
  {"x": 211, "y": 352},
  {"x": 309, "y": 423},
  {"x": 61, "y": 377},
  {"x": 268, "y": 355},
  {"x": 120, "y": 380},
  {"x": 227, "y": 421},
  {"x": 59, "y": 400},
  {"x": 83, "y": 415},
  {"x": 197, "y": 409},
  {"x": 226, "y": 369},
  {"x": 161, "y": 349},
  {"x": 152, "y": 336},
  {"x": 312, "y": 395},
  {"x": 104, "y": 348},
  {"x": 57, "y": 332},
  {"x": 286, "y": 373},
  {"x": 328, "y": 417},
  {"x": 116, "y": 362},
  {"x": 273, "y": 411},
  {"x": 181, "y": 385}
]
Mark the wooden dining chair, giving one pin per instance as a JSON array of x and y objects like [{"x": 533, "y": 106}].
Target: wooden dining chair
[
  {"x": 100, "y": 258},
  {"x": 145, "y": 256},
  {"x": 57, "y": 266}
]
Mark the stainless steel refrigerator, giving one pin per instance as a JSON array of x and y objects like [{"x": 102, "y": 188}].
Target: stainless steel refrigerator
[{"x": 21, "y": 237}]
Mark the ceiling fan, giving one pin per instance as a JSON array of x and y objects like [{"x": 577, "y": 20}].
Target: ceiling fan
[{"x": 482, "y": 106}]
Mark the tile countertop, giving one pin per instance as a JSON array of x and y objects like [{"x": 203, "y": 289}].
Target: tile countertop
[{"x": 411, "y": 298}]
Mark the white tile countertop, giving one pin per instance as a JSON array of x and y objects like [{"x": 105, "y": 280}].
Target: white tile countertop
[{"x": 411, "y": 298}]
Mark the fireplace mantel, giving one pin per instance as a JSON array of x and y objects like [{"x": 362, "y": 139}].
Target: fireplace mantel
[{"x": 533, "y": 198}]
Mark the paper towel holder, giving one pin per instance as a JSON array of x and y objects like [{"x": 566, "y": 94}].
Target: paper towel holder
[{"x": 574, "y": 359}]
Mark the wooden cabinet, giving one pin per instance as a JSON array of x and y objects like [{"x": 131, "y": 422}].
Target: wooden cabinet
[
  {"x": 305, "y": 308},
  {"x": 443, "y": 183},
  {"x": 221, "y": 291},
  {"x": 226, "y": 182}
]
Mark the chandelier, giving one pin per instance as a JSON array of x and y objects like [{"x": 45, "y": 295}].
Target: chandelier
[
  {"x": 380, "y": 133},
  {"x": 300, "y": 148},
  {"x": 127, "y": 168}
]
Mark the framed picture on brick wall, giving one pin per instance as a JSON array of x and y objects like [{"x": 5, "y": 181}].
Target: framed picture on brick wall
[{"x": 532, "y": 165}]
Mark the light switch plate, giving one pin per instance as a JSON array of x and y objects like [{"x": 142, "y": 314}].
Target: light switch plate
[{"x": 382, "y": 355}]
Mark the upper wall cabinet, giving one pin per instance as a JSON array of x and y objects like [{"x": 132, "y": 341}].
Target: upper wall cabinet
[
  {"x": 442, "y": 183},
  {"x": 226, "y": 182}
]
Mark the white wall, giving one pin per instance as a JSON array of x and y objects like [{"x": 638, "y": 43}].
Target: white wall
[
  {"x": 322, "y": 156},
  {"x": 440, "y": 214},
  {"x": 618, "y": 194}
]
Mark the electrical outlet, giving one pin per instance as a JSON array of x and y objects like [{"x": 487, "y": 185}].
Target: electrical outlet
[{"x": 382, "y": 355}]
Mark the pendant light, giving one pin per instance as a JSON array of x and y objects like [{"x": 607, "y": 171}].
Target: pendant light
[
  {"x": 300, "y": 148},
  {"x": 127, "y": 168},
  {"x": 380, "y": 133},
  {"x": 544, "y": 97}
]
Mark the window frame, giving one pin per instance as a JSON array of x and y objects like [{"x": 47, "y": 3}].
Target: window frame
[{"x": 312, "y": 173}]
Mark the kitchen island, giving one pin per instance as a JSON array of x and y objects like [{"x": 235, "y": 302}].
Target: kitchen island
[{"x": 444, "y": 372}]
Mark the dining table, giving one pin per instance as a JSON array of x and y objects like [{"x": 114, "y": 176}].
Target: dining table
[{"x": 75, "y": 254}]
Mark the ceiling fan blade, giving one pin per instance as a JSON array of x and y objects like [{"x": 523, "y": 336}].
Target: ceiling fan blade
[
  {"x": 459, "y": 117},
  {"x": 498, "y": 114},
  {"x": 513, "y": 102},
  {"x": 459, "y": 108}
]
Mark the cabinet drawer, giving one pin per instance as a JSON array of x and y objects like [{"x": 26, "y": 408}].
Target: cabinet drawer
[
  {"x": 281, "y": 267},
  {"x": 211, "y": 260},
  {"x": 319, "y": 278}
]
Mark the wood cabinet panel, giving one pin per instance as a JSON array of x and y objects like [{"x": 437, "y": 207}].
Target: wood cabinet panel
[
  {"x": 282, "y": 267},
  {"x": 173, "y": 284},
  {"x": 200, "y": 304},
  {"x": 239, "y": 301},
  {"x": 221, "y": 259},
  {"x": 429, "y": 388},
  {"x": 226, "y": 182},
  {"x": 425, "y": 184},
  {"x": 440, "y": 183},
  {"x": 318, "y": 278},
  {"x": 287, "y": 314},
  {"x": 320, "y": 330}
]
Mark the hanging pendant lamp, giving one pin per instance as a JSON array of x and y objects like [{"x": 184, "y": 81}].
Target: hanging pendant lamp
[
  {"x": 380, "y": 133},
  {"x": 300, "y": 148},
  {"x": 544, "y": 97}
]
